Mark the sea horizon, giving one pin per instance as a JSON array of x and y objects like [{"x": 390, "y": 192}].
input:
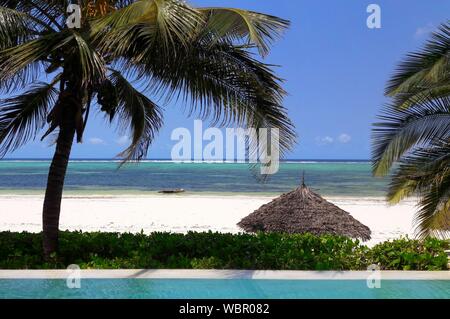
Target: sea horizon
[{"x": 294, "y": 160}]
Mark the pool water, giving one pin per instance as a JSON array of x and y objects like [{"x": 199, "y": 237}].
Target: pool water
[{"x": 222, "y": 289}]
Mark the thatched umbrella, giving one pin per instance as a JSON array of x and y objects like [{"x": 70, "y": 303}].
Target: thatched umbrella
[{"x": 303, "y": 211}]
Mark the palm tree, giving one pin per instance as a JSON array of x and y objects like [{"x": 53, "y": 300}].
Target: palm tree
[
  {"x": 166, "y": 47},
  {"x": 414, "y": 134}
]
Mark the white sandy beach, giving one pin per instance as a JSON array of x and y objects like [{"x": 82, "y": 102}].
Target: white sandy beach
[{"x": 182, "y": 213}]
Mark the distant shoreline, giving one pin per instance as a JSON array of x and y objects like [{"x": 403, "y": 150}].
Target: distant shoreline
[
  {"x": 352, "y": 200},
  {"x": 92, "y": 193}
]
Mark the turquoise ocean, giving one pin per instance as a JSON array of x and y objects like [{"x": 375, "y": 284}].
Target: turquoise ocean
[{"x": 103, "y": 177}]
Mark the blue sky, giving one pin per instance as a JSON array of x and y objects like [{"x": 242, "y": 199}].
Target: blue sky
[{"x": 335, "y": 69}]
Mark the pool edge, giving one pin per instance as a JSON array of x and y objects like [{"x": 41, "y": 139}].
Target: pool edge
[{"x": 223, "y": 274}]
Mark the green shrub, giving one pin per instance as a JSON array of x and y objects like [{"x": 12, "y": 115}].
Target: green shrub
[
  {"x": 408, "y": 254},
  {"x": 220, "y": 251},
  {"x": 206, "y": 263}
]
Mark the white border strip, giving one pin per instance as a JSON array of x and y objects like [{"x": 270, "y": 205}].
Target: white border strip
[{"x": 225, "y": 274}]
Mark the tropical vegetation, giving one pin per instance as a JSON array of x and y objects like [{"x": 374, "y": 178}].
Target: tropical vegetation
[
  {"x": 128, "y": 59},
  {"x": 223, "y": 251},
  {"x": 413, "y": 137}
]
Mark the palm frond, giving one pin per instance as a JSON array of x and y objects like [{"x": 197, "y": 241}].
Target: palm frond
[
  {"x": 433, "y": 217},
  {"x": 221, "y": 83},
  {"x": 176, "y": 22},
  {"x": 125, "y": 16},
  {"x": 426, "y": 173},
  {"x": 15, "y": 28},
  {"x": 172, "y": 21},
  {"x": 428, "y": 66},
  {"x": 239, "y": 25},
  {"x": 433, "y": 91},
  {"x": 22, "y": 64},
  {"x": 139, "y": 114},
  {"x": 401, "y": 129},
  {"x": 49, "y": 14},
  {"x": 93, "y": 66},
  {"x": 22, "y": 117},
  {"x": 418, "y": 170}
]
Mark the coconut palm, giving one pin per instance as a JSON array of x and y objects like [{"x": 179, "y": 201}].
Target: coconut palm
[
  {"x": 167, "y": 48},
  {"x": 414, "y": 134}
]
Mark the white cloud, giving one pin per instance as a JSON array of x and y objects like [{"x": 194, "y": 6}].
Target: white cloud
[
  {"x": 122, "y": 140},
  {"x": 425, "y": 30},
  {"x": 326, "y": 140},
  {"x": 96, "y": 141},
  {"x": 344, "y": 138}
]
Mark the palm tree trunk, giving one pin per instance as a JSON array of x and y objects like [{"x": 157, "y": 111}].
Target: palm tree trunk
[{"x": 55, "y": 182}]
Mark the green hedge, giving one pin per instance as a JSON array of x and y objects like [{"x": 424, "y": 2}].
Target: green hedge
[{"x": 220, "y": 251}]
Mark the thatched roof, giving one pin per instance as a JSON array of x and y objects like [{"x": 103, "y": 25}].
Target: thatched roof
[{"x": 303, "y": 211}]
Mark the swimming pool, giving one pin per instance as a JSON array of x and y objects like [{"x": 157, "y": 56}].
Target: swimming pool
[
  {"x": 222, "y": 284},
  {"x": 222, "y": 289}
]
